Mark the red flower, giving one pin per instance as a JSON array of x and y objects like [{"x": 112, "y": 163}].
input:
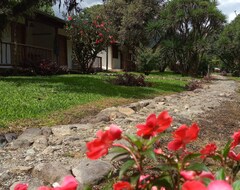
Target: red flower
[
  {"x": 154, "y": 125},
  {"x": 236, "y": 139},
  {"x": 100, "y": 34},
  {"x": 69, "y": 18},
  {"x": 182, "y": 136},
  {"x": 219, "y": 185},
  {"x": 21, "y": 187},
  {"x": 193, "y": 185},
  {"x": 234, "y": 156},
  {"x": 122, "y": 185},
  {"x": 99, "y": 147},
  {"x": 208, "y": 150},
  {"x": 69, "y": 183}
]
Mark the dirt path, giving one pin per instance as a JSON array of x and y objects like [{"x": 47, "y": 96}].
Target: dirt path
[{"x": 42, "y": 156}]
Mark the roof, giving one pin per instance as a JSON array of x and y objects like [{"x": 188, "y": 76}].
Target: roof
[{"x": 50, "y": 19}]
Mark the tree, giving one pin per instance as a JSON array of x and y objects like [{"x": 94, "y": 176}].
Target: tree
[
  {"x": 89, "y": 36},
  {"x": 12, "y": 9},
  {"x": 185, "y": 27},
  {"x": 129, "y": 19},
  {"x": 228, "y": 47}
]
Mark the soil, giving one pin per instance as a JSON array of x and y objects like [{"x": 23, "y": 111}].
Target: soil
[{"x": 216, "y": 108}]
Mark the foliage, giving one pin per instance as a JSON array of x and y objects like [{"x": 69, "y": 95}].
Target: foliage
[
  {"x": 228, "y": 47},
  {"x": 128, "y": 79},
  {"x": 129, "y": 20},
  {"x": 147, "y": 59},
  {"x": 46, "y": 100},
  {"x": 10, "y": 10},
  {"x": 185, "y": 27},
  {"x": 89, "y": 37},
  {"x": 149, "y": 166},
  {"x": 192, "y": 85}
]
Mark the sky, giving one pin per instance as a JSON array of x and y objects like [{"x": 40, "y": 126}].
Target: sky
[{"x": 228, "y": 7}]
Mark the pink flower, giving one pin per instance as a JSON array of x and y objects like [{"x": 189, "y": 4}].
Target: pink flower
[
  {"x": 158, "y": 151},
  {"x": 99, "y": 147},
  {"x": 69, "y": 183},
  {"x": 208, "y": 175},
  {"x": 236, "y": 139},
  {"x": 122, "y": 185},
  {"x": 234, "y": 156},
  {"x": 188, "y": 175},
  {"x": 69, "y": 18},
  {"x": 182, "y": 136},
  {"x": 208, "y": 150},
  {"x": 21, "y": 187},
  {"x": 154, "y": 125},
  {"x": 219, "y": 185},
  {"x": 193, "y": 185}
]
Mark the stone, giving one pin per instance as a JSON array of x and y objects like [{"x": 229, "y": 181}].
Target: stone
[
  {"x": 125, "y": 110},
  {"x": 30, "y": 152},
  {"x": 62, "y": 130},
  {"x": 40, "y": 142},
  {"x": 46, "y": 131},
  {"x": 3, "y": 140},
  {"x": 90, "y": 172},
  {"x": 50, "y": 172},
  {"x": 10, "y": 137},
  {"x": 27, "y": 138},
  {"x": 135, "y": 106},
  {"x": 21, "y": 169}
]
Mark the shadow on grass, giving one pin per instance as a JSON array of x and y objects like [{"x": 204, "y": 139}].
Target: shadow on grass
[{"x": 92, "y": 84}]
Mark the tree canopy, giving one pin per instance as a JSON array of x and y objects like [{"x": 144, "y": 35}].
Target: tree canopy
[
  {"x": 185, "y": 27},
  {"x": 228, "y": 46}
]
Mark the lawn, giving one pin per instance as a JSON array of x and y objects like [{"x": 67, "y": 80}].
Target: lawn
[{"x": 46, "y": 101}]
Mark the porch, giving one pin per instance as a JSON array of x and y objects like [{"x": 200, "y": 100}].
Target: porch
[{"x": 17, "y": 54}]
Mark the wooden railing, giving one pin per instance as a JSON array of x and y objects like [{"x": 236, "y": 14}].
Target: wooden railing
[{"x": 15, "y": 54}]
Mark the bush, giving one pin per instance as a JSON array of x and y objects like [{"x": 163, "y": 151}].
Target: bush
[
  {"x": 147, "y": 60},
  {"x": 192, "y": 85},
  {"x": 128, "y": 79}
]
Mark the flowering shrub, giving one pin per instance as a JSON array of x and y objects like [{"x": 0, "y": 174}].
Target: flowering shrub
[
  {"x": 89, "y": 37},
  {"x": 148, "y": 166}
]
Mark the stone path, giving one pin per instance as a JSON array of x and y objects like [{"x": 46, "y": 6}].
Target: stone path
[{"x": 44, "y": 156}]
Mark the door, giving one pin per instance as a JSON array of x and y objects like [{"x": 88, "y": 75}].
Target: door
[{"x": 62, "y": 51}]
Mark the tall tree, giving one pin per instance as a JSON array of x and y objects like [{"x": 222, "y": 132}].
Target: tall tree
[
  {"x": 130, "y": 18},
  {"x": 186, "y": 27},
  {"x": 228, "y": 46}
]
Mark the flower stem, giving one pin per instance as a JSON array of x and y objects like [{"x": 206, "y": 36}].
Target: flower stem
[{"x": 132, "y": 154}]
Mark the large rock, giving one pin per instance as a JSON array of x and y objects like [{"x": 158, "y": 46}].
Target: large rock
[
  {"x": 90, "y": 172},
  {"x": 126, "y": 111},
  {"x": 27, "y": 138},
  {"x": 50, "y": 172}
]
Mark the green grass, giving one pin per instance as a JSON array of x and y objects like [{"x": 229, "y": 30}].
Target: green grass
[{"x": 24, "y": 98}]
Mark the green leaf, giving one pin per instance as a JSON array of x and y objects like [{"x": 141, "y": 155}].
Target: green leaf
[
  {"x": 220, "y": 174},
  {"x": 118, "y": 150},
  {"x": 125, "y": 167},
  {"x": 197, "y": 167},
  {"x": 190, "y": 157},
  {"x": 151, "y": 141},
  {"x": 216, "y": 158},
  {"x": 164, "y": 181},
  {"x": 119, "y": 155},
  {"x": 226, "y": 149},
  {"x": 166, "y": 167},
  {"x": 149, "y": 153},
  {"x": 135, "y": 140},
  {"x": 236, "y": 185}
]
